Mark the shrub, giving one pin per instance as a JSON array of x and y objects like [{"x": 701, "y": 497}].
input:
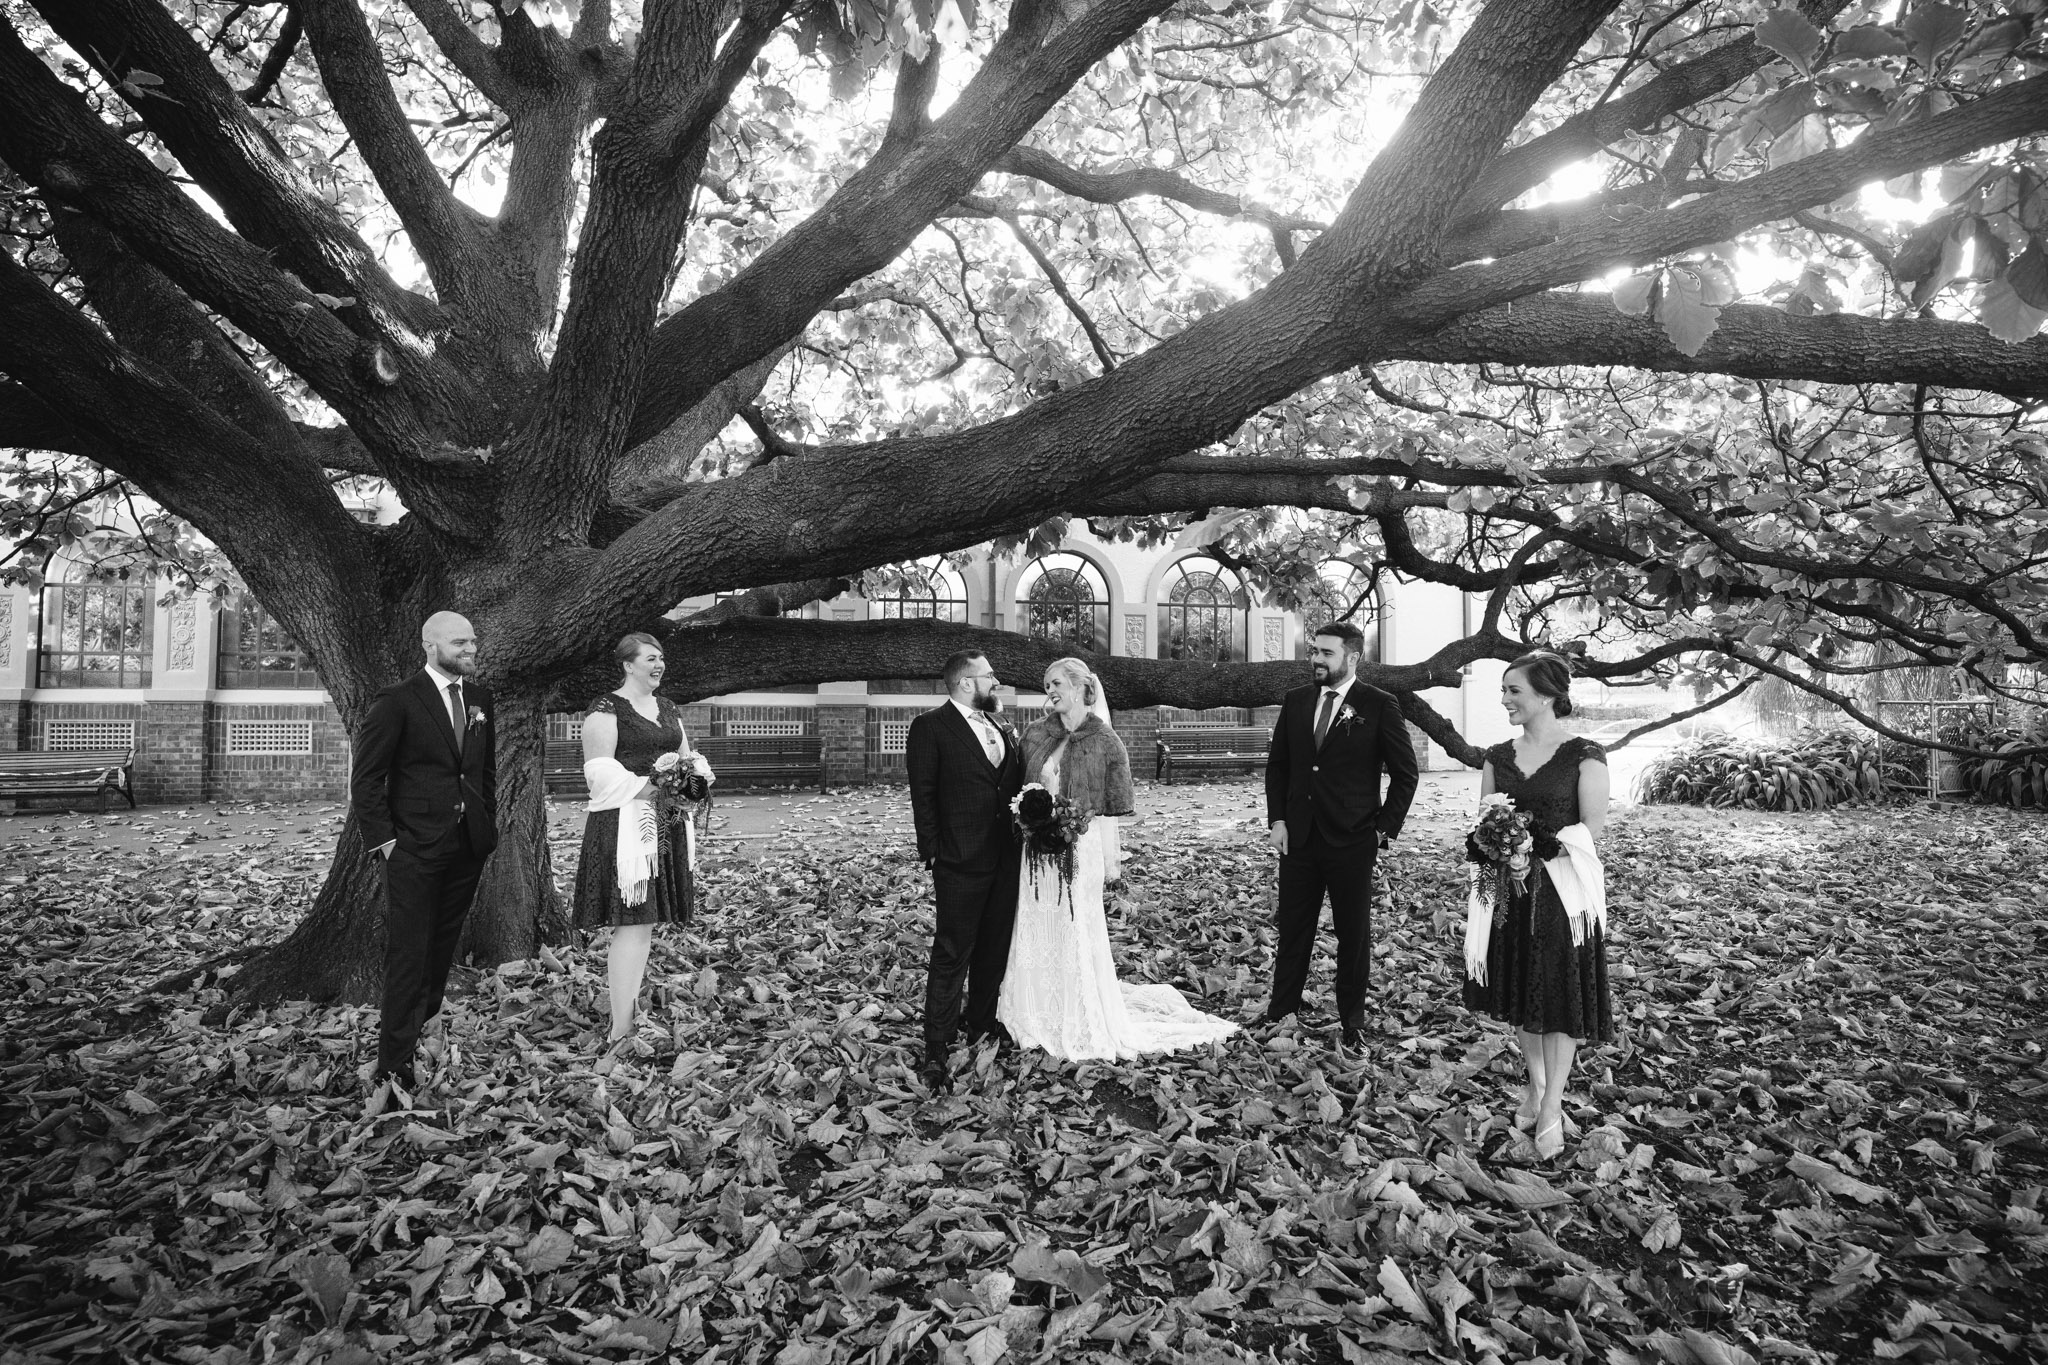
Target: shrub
[
  {"x": 2017, "y": 782},
  {"x": 1812, "y": 771}
]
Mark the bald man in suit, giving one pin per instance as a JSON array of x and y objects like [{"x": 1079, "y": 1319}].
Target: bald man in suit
[{"x": 424, "y": 789}]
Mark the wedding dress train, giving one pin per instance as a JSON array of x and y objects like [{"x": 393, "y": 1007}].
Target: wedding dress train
[{"x": 1061, "y": 993}]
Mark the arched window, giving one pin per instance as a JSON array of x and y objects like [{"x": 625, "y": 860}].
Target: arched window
[
  {"x": 1204, "y": 613},
  {"x": 928, "y": 590},
  {"x": 1063, "y": 598},
  {"x": 96, "y": 635},
  {"x": 255, "y": 651},
  {"x": 1342, "y": 591}
]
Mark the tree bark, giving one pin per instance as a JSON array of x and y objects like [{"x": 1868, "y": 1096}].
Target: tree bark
[{"x": 336, "y": 953}]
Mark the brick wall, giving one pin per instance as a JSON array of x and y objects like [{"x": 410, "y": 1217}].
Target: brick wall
[
  {"x": 320, "y": 775},
  {"x": 844, "y": 730},
  {"x": 170, "y": 751},
  {"x": 14, "y": 725}
]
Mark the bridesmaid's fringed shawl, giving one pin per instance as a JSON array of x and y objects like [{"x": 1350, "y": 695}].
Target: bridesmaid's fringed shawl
[
  {"x": 613, "y": 787},
  {"x": 1580, "y": 882},
  {"x": 1575, "y": 874}
]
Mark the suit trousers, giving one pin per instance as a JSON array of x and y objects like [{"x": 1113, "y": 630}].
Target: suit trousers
[
  {"x": 977, "y": 911},
  {"x": 427, "y": 892},
  {"x": 1307, "y": 873}
]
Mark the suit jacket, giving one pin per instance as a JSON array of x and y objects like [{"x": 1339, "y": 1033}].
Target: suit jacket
[
  {"x": 412, "y": 782},
  {"x": 959, "y": 801},
  {"x": 1335, "y": 790}
]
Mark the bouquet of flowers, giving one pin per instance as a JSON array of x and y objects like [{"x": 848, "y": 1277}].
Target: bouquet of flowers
[
  {"x": 1501, "y": 851},
  {"x": 1502, "y": 837},
  {"x": 1050, "y": 826},
  {"x": 681, "y": 780}
]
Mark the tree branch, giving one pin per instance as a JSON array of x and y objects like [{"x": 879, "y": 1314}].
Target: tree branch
[
  {"x": 1752, "y": 341},
  {"x": 880, "y": 209},
  {"x": 272, "y": 70},
  {"x": 465, "y": 51},
  {"x": 2008, "y": 113},
  {"x": 1679, "y": 87},
  {"x": 210, "y": 128},
  {"x": 1113, "y": 187},
  {"x": 1059, "y": 287},
  {"x": 448, "y": 235},
  {"x": 49, "y": 137},
  {"x": 646, "y": 161}
]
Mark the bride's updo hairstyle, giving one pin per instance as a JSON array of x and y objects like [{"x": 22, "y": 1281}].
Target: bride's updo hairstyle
[
  {"x": 1549, "y": 675},
  {"x": 629, "y": 647},
  {"x": 1078, "y": 674}
]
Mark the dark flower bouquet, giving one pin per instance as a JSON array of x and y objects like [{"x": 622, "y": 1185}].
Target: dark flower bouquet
[
  {"x": 679, "y": 782},
  {"x": 1504, "y": 838},
  {"x": 1049, "y": 825}
]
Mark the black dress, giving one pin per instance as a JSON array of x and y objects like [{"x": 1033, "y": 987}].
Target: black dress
[
  {"x": 1536, "y": 978},
  {"x": 598, "y": 901}
]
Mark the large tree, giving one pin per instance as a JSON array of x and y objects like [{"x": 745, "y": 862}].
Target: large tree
[{"x": 634, "y": 303}]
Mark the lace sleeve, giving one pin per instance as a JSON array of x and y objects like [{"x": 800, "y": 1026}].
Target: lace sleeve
[
  {"x": 1592, "y": 749},
  {"x": 604, "y": 705}
]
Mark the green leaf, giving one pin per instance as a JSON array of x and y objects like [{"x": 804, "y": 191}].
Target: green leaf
[
  {"x": 2028, "y": 275},
  {"x": 1931, "y": 29},
  {"x": 1792, "y": 36},
  {"x": 2006, "y": 315},
  {"x": 1632, "y": 295},
  {"x": 1688, "y": 320},
  {"x": 1868, "y": 42}
]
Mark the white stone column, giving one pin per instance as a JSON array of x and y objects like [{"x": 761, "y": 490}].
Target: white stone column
[{"x": 183, "y": 655}]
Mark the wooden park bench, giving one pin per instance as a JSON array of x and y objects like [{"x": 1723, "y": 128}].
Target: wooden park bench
[
  {"x": 562, "y": 769},
  {"x": 739, "y": 761},
  {"x": 69, "y": 772},
  {"x": 764, "y": 760},
  {"x": 1205, "y": 748}
]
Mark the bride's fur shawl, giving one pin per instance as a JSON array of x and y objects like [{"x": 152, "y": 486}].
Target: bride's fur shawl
[{"x": 1095, "y": 771}]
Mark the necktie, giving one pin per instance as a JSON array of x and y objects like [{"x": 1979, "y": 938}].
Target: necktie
[
  {"x": 1323, "y": 717},
  {"x": 459, "y": 715},
  {"x": 990, "y": 744}
]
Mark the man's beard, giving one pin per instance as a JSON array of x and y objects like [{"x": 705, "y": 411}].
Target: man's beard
[
  {"x": 1325, "y": 675},
  {"x": 987, "y": 701}
]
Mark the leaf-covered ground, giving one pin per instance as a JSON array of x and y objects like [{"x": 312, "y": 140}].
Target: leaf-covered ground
[{"x": 1818, "y": 1140}]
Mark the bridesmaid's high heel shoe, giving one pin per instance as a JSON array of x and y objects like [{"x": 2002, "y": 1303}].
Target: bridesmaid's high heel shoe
[
  {"x": 1525, "y": 1118},
  {"x": 1550, "y": 1139}
]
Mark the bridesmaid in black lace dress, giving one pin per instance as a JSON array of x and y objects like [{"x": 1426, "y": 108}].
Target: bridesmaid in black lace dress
[
  {"x": 1553, "y": 992},
  {"x": 635, "y": 727}
]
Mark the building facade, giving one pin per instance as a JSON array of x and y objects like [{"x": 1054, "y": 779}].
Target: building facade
[{"x": 221, "y": 705}]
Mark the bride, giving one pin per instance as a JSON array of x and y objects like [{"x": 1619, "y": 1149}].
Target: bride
[{"x": 1060, "y": 992}]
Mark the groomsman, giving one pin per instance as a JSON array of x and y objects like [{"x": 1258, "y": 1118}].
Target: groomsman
[
  {"x": 1328, "y": 820},
  {"x": 965, "y": 769},
  {"x": 424, "y": 789}
]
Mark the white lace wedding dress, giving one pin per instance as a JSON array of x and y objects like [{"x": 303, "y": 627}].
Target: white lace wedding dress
[{"x": 1060, "y": 992}]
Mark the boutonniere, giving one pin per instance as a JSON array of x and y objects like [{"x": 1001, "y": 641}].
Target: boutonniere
[
  {"x": 476, "y": 715},
  {"x": 1345, "y": 715}
]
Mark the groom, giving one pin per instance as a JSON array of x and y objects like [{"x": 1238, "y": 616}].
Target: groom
[
  {"x": 965, "y": 768},
  {"x": 424, "y": 789},
  {"x": 1328, "y": 820}
]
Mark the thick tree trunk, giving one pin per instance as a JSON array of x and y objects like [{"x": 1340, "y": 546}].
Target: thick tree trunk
[
  {"x": 337, "y": 951},
  {"x": 517, "y": 907}
]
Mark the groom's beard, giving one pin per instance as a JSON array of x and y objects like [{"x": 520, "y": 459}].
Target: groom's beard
[{"x": 988, "y": 702}]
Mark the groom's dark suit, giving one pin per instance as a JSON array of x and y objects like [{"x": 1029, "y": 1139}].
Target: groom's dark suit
[
  {"x": 435, "y": 799},
  {"x": 960, "y": 803},
  {"x": 1329, "y": 795}
]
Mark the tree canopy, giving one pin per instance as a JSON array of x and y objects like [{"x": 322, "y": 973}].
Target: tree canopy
[{"x": 1711, "y": 324}]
